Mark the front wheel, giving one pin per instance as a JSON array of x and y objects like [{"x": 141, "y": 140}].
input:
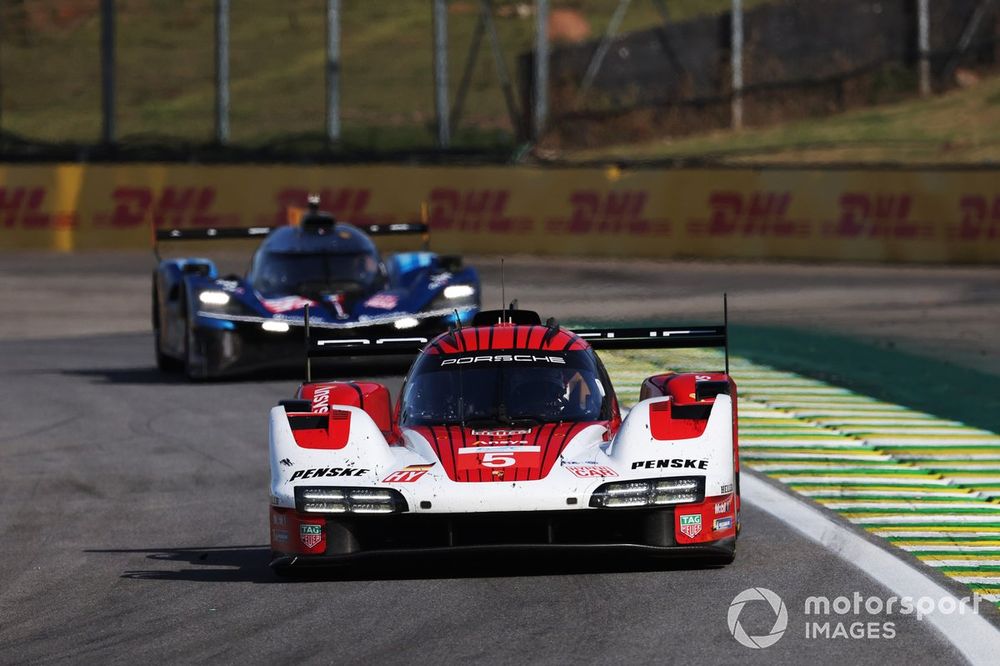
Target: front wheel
[
  {"x": 164, "y": 362},
  {"x": 194, "y": 366}
]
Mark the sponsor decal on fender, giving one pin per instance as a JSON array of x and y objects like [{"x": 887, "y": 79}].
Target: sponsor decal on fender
[
  {"x": 591, "y": 471},
  {"x": 672, "y": 463},
  {"x": 280, "y": 536},
  {"x": 310, "y": 535},
  {"x": 382, "y": 301},
  {"x": 327, "y": 471},
  {"x": 321, "y": 399},
  {"x": 286, "y": 303},
  {"x": 723, "y": 507},
  {"x": 408, "y": 474},
  {"x": 691, "y": 524},
  {"x": 439, "y": 280},
  {"x": 727, "y": 488},
  {"x": 722, "y": 524}
]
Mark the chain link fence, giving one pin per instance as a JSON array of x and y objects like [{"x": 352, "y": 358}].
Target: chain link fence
[
  {"x": 164, "y": 69},
  {"x": 777, "y": 61},
  {"x": 620, "y": 70}
]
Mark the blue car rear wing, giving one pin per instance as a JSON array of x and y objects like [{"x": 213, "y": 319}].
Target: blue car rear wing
[
  {"x": 247, "y": 233},
  {"x": 236, "y": 233},
  {"x": 212, "y": 233}
]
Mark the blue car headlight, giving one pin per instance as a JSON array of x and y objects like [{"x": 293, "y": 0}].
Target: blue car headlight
[
  {"x": 456, "y": 296},
  {"x": 214, "y": 297}
]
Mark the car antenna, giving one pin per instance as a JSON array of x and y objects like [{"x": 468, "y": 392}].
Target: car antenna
[
  {"x": 503, "y": 296},
  {"x": 308, "y": 360},
  {"x": 458, "y": 320},
  {"x": 725, "y": 326}
]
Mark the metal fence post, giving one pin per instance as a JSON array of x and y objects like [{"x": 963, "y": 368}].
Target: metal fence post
[
  {"x": 602, "y": 47},
  {"x": 968, "y": 34},
  {"x": 333, "y": 70},
  {"x": 108, "y": 71},
  {"x": 221, "y": 71},
  {"x": 924, "y": 45},
  {"x": 541, "y": 96},
  {"x": 3, "y": 32},
  {"x": 441, "y": 72},
  {"x": 737, "y": 64}
]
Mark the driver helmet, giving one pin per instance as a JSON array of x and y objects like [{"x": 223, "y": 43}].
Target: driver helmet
[{"x": 539, "y": 390}]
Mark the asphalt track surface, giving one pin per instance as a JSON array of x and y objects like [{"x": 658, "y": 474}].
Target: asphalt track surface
[{"x": 134, "y": 513}]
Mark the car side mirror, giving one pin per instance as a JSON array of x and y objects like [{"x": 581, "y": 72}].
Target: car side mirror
[{"x": 451, "y": 263}]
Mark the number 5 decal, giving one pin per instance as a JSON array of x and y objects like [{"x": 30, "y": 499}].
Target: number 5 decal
[
  {"x": 497, "y": 460},
  {"x": 498, "y": 457}
]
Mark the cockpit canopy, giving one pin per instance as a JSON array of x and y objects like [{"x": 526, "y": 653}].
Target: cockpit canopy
[
  {"x": 316, "y": 262},
  {"x": 506, "y": 388}
]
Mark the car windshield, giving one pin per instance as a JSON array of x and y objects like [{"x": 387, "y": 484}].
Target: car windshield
[
  {"x": 504, "y": 388},
  {"x": 299, "y": 273}
]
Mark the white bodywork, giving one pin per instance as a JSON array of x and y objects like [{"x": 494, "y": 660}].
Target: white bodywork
[{"x": 370, "y": 460}]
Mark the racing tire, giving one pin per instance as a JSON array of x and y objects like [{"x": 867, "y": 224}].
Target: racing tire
[
  {"x": 723, "y": 559},
  {"x": 195, "y": 372},
  {"x": 164, "y": 363}
]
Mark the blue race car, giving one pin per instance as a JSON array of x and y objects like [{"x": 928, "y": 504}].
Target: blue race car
[{"x": 331, "y": 272}]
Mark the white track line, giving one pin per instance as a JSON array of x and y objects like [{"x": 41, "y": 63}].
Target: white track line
[
  {"x": 944, "y": 548},
  {"x": 974, "y": 637},
  {"x": 910, "y": 533},
  {"x": 837, "y": 492}
]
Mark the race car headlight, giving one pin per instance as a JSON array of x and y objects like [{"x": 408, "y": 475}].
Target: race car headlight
[
  {"x": 459, "y": 291},
  {"x": 349, "y": 500},
  {"x": 213, "y": 297},
  {"x": 273, "y": 326},
  {"x": 455, "y": 296},
  {"x": 406, "y": 322},
  {"x": 649, "y": 492}
]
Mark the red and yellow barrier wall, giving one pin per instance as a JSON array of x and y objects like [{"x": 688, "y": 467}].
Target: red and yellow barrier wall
[{"x": 853, "y": 215}]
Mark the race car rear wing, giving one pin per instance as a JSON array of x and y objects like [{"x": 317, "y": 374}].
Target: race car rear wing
[
  {"x": 231, "y": 233},
  {"x": 688, "y": 337},
  {"x": 212, "y": 233},
  {"x": 312, "y": 217},
  {"x": 320, "y": 347}
]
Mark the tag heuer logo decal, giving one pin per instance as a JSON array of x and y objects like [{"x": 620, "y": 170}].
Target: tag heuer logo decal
[
  {"x": 691, "y": 525},
  {"x": 311, "y": 535}
]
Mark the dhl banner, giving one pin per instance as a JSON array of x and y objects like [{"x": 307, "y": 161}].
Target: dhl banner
[{"x": 855, "y": 215}]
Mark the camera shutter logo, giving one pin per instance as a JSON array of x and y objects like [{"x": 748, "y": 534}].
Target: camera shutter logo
[{"x": 780, "y": 619}]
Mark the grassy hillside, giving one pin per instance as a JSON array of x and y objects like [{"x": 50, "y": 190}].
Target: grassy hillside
[
  {"x": 50, "y": 75},
  {"x": 959, "y": 127},
  {"x": 50, "y": 82}
]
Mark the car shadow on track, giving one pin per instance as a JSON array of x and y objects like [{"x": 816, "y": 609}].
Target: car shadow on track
[{"x": 248, "y": 564}]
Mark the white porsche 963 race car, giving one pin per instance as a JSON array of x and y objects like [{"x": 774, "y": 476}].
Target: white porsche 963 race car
[{"x": 506, "y": 434}]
